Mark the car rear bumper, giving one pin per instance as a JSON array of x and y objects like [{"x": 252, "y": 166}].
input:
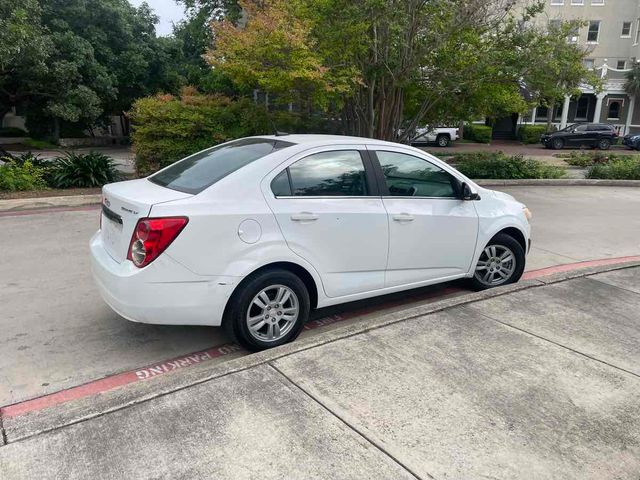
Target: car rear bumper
[{"x": 163, "y": 293}]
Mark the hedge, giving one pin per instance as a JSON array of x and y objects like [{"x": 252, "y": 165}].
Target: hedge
[
  {"x": 618, "y": 169},
  {"x": 477, "y": 133},
  {"x": 497, "y": 165},
  {"x": 531, "y": 133}
]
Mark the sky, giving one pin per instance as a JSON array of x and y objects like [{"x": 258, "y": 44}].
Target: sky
[{"x": 168, "y": 11}]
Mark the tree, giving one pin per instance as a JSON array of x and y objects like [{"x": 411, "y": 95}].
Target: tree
[
  {"x": 632, "y": 84},
  {"x": 80, "y": 60},
  {"x": 377, "y": 60}
]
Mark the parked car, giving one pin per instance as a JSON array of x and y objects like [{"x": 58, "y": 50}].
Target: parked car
[
  {"x": 632, "y": 141},
  {"x": 254, "y": 233},
  {"x": 600, "y": 135},
  {"x": 441, "y": 136}
]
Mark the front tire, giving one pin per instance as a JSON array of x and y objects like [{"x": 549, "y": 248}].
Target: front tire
[
  {"x": 268, "y": 310},
  {"x": 501, "y": 262},
  {"x": 557, "y": 144}
]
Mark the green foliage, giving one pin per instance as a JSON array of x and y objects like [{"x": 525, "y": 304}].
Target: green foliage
[
  {"x": 477, "y": 133},
  {"x": 586, "y": 159},
  {"x": 75, "y": 170},
  {"x": 632, "y": 84},
  {"x": 12, "y": 132},
  {"x": 622, "y": 168},
  {"x": 496, "y": 165},
  {"x": 17, "y": 177},
  {"x": 38, "y": 144},
  {"x": 168, "y": 128},
  {"x": 531, "y": 133}
]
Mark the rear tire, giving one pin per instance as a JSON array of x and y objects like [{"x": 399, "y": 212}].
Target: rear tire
[
  {"x": 501, "y": 262},
  {"x": 443, "y": 140},
  {"x": 269, "y": 309},
  {"x": 604, "y": 144}
]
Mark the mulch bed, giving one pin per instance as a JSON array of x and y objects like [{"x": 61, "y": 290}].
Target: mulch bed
[{"x": 49, "y": 193}]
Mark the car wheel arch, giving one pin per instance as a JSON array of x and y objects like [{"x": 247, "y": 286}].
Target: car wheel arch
[
  {"x": 514, "y": 233},
  {"x": 298, "y": 270}
]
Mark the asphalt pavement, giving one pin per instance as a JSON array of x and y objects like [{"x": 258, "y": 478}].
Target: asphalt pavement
[{"x": 57, "y": 333}]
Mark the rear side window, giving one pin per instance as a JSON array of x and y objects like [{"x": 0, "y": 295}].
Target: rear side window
[
  {"x": 337, "y": 173},
  {"x": 194, "y": 174}
]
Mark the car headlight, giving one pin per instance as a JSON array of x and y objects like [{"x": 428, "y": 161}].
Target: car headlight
[
  {"x": 527, "y": 213},
  {"x": 635, "y": 137}
]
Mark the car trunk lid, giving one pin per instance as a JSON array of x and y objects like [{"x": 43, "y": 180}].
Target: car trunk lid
[{"x": 123, "y": 204}]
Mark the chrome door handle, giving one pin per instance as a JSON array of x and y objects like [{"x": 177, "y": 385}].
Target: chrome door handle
[
  {"x": 403, "y": 217},
  {"x": 304, "y": 217}
]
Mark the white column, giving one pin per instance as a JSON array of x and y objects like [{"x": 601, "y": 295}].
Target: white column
[
  {"x": 627, "y": 125},
  {"x": 533, "y": 115},
  {"x": 565, "y": 112},
  {"x": 598, "y": 112}
]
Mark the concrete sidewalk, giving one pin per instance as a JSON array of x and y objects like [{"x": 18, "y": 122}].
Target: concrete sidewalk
[{"x": 537, "y": 380}]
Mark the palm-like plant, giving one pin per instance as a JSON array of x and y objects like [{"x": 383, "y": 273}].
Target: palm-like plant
[{"x": 632, "y": 86}]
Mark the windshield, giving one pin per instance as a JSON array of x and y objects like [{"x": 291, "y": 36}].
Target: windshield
[{"x": 194, "y": 174}]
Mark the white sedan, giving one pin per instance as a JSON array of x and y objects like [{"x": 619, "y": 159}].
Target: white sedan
[{"x": 252, "y": 234}]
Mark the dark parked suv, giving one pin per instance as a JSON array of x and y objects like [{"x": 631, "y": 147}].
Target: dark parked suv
[{"x": 598, "y": 135}]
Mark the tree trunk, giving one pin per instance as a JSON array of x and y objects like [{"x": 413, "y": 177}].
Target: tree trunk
[{"x": 550, "y": 109}]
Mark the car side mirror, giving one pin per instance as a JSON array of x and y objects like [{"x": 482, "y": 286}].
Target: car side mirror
[{"x": 466, "y": 193}]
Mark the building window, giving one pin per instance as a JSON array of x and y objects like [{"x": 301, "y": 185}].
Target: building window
[
  {"x": 594, "y": 31},
  {"x": 574, "y": 35},
  {"x": 614, "y": 111},
  {"x": 637, "y": 32},
  {"x": 597, "y": 2},
  {"x": 582, "y": 109},
  {"x": 621, "y": 64},
  {"x": 626, "y": 30},
  {"x": 557, "y": 2},
  {"x": 589, "y": 63},
  {"x": 577, "y": 2},
  {"x": 542, "y": 112}
]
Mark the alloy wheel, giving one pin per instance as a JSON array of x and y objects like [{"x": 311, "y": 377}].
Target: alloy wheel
[
  {"x": 272, "y": 313},
  {"x": 495, "y": 266}
]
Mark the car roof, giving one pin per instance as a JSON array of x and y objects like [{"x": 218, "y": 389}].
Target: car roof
[{"x": 307, "y": 139}]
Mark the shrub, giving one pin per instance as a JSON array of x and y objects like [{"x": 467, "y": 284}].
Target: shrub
[
  {"x": 477, "y": 133},
  {"x": 82, "y": 171},
  {"x": 499, "y": 166},
  {"x": 15, "y": 177},
  {"x": 623, "y": 168},
  {"x": 531, "y": 133},
  {"x": 167, "y": 128},
  {"x": 586, "y": 159},
  {"x": 12, "y": 132},
  {"x": 39, "y": 144}
]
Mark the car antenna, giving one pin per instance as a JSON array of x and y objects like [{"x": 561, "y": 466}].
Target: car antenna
[{"x": 276, "y": 132}]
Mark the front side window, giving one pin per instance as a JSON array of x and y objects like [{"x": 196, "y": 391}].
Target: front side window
[
  {"x": 594, "y": 31},
  {"x": 580, "y": 128},
  {"x": 195, "y": 173},
  {"x": 409, "y": 176},
  {"x": 337, "y": 173}
]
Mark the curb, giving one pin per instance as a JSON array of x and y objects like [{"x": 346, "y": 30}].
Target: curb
[
  {"x": 42, "y": 421},
  {"x": 17, "y": 204},
  {"x": 559, "y": 182}
]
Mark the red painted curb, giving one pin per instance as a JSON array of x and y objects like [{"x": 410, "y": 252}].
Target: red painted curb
[
  {"x": 37, "y": 211},
  {"x": 118, "y": 380},
  {"x": 532, "y": 274}
]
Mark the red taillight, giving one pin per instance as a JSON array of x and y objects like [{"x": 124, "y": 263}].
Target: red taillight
[{"x": 152, "y": 236}]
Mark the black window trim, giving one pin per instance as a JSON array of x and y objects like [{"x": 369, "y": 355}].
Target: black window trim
[
  {"x": 371, "y": 183},
  {"x": 382, "y": 183}
]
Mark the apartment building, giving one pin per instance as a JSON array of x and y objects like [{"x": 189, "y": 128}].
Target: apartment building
[{"x": 612, "y": 36}]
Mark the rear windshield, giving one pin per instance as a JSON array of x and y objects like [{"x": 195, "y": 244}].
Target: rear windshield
[{"x": 195, "y": 173}]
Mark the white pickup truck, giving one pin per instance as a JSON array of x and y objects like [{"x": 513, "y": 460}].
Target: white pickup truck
[{"x": 440, "y": 136}]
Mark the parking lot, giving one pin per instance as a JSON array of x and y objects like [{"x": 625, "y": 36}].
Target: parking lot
[{"x": 57, "y": 333}]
